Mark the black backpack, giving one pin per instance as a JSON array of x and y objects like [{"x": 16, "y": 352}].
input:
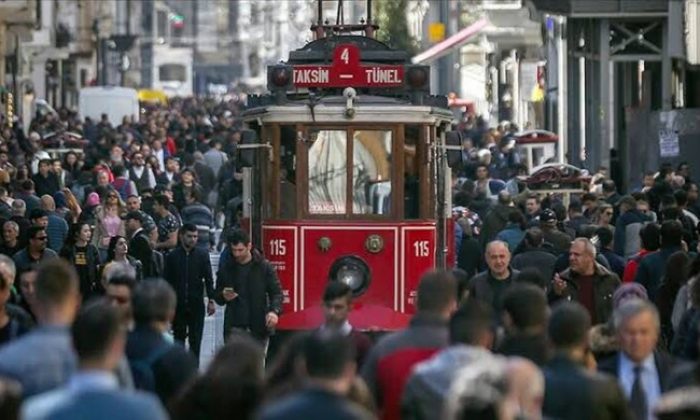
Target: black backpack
[{"x": 142, "y": 369}]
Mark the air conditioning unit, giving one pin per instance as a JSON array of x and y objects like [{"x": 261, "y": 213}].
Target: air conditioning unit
[{"x": 692, "y": 31}]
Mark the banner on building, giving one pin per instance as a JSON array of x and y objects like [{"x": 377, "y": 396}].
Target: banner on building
[{"x": 669, "y": 147}]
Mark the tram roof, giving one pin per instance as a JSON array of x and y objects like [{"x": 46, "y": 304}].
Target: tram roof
[{"x": 332, "y": 109}]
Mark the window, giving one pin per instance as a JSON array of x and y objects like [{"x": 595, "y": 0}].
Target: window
[
  {"x": 172, "y": 72},
  {"x": 371, "y": 172},
  {"x": 161, "y": 24},
  {"x": 287, "y": 181},
  {"x": 328, "y": 172},
  {"x": 411, "y": 195}
]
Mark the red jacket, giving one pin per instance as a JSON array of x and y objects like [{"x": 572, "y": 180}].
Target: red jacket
[
  {"x": 632, "y": 266},
  {"x": 389, "y": 364}
]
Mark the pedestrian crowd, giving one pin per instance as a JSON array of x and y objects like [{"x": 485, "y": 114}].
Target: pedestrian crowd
[{"x": 578, "y": 307}]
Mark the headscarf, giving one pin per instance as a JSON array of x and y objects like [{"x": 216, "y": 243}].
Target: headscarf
[
  {"x": 92, "y": 200},
  {"x": 629, "y": 291}
]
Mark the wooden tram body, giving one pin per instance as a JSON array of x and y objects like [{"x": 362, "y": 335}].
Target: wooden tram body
[{"x": 348, "y": 178}]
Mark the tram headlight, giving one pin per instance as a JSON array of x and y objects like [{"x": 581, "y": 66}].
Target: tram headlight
[
  {"x": 279, "y": 77},
  {"x": 418, "y": 77},
  {"x": 352, "y": 271}
]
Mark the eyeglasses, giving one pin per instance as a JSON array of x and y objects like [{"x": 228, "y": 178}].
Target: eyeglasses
[
  {"x": 608, "y": 213},
  {"x": 41, "y": 238}
]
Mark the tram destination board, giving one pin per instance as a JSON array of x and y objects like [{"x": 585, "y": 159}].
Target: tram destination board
[{"x": 346, "y": 70}]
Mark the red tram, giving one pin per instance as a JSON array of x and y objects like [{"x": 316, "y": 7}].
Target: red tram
[{"x": 348, "y": 176}]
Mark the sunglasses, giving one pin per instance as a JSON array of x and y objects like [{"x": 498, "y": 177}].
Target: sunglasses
[{"x": 41, "y": 238}]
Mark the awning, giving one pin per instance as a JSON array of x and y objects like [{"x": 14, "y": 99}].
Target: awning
[{"x": 456, "y": 40}]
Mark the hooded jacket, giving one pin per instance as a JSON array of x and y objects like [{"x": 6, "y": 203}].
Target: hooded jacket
[
  {"x": 626, "y": 240},
  {"x": 428, "y": 387},
  {"x": 495, "y": 221}
]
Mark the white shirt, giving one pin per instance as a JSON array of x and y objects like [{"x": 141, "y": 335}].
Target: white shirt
[
  {"x": 344, "y": 329},
  {"x": 138, "y": 171},
  {"x": 160, "y": 155}
]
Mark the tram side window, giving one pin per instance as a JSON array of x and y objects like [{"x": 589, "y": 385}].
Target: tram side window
[
  {"x": 411, "y": 163},
  {"x": 328, "y": 172},
  {"x": 371, "y": 172},
  {"x": 288, "y": 189}
]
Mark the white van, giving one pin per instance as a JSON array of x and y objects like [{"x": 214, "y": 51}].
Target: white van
[{"x": 116, "y": 102}]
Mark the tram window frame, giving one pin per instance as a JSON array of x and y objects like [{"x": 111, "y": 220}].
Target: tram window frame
[
  {"x": 396, "y": 168},
  {"x": 356, "y": 175}
]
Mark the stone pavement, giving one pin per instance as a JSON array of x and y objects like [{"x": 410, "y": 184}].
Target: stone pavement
[{"x": 212, "y": 337}]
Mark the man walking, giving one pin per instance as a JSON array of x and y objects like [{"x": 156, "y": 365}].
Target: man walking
[
  {"x": 490, "y": 285},
  {"x": 248, "y": 285},
  {"x": 572, "y": 392},
  {"x": 586, "y": 282},
  {"x": 99, "y": 337},
  {"x": 188, "y": 270},
  {"x": 329, "y": 361},
  {"x": 139, "y": 245},
  {"x": 641, "y": 370},
  {"x": 337, "y": 304},
  {"x": 471, "y": 338},
  {"x": 157, "y": 365},
  {"x": 43, "y": 359},
  {"x": 392, "y": 359},
  {"x": 35, "y": 251}
]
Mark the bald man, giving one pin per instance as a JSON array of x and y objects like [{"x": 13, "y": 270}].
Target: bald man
[
  {"x": 490, "y": 285},
  {"x": 586, "y": 282}
]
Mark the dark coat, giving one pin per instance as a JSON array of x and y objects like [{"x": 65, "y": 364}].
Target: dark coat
[
  {"x": 189, "y": 274},
  {"x": 314, "y": 403},
  {"x": 682, "y": 345},
  {"x": 573, "y": 393},
  {"x": 530, "y": 346},
  {"x": 140, "y": 248},
  {"x": 664, "y": 365},
  {"x": 264, "y": 290},
  {"x": 495, "y": 221},
  {"x": 604, "y": 285},
  {"x": 45, "y": 185},
  {"x": 559, "y": 240},
  {"x": 171, "y": 371},
  {"x": 480, "y": 288},
  {"x": 469, "y": 258},
  {"x": 88, "y": 285},
  {"x": 683, "y": 375},
  {"x": 537, "y": 258},
  {"x": 652, "y": 269}
]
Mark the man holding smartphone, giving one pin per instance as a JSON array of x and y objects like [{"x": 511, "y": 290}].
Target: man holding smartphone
[{"x": 248, "y": 286}]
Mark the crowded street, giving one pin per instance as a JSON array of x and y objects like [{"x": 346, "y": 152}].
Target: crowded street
[{"x": 359, "y": 209}]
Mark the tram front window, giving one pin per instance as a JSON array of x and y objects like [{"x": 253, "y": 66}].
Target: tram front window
[
  {"x": 328, "y": 172},
  {"x": 371, "y": 172}
]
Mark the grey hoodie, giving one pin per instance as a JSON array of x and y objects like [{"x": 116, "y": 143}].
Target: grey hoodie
[{"x": 427, "y": 389}]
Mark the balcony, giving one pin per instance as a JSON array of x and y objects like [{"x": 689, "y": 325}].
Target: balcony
[{"x": 603, "y": 8}]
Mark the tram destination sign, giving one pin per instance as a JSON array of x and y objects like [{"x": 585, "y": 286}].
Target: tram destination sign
[{"x": 346, "y": 70}]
